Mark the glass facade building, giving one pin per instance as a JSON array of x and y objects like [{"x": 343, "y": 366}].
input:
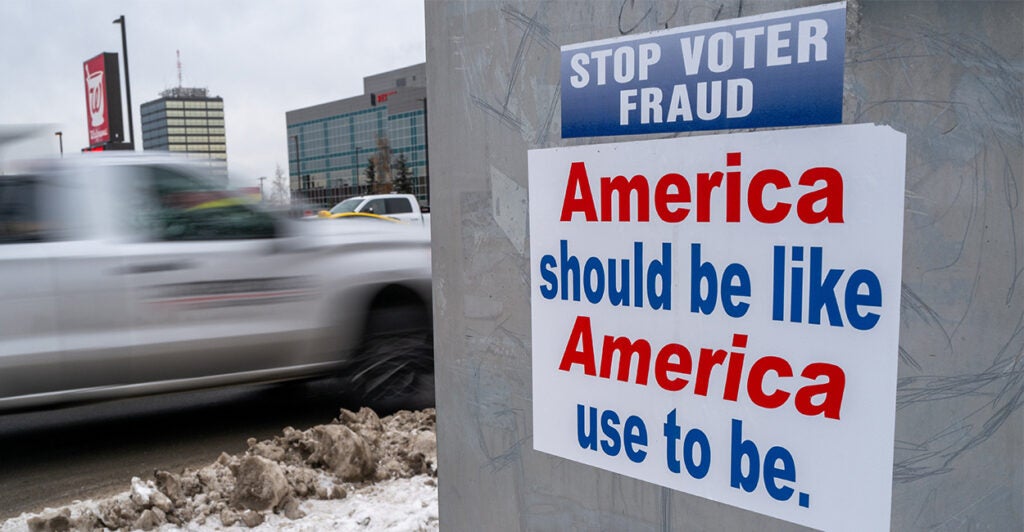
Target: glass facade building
[
  {"x": 188, "y": 121},
  {"x": 330, "y": 145}
]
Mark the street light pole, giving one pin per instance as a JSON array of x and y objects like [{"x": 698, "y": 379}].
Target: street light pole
[
  {"x": 127, "y": 80},
  {"x": 60, "y": 138},
  {"x": 356, "y": 183}
]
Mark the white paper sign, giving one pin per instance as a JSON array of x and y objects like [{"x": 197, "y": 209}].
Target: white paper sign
[{"x": 720, "y": 315}]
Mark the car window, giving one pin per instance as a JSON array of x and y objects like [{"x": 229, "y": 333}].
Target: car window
[
  {"x": 348, "y": 205},
  {"x": 22, "y": 216},
  {"x": 173, "y": 205},
  {"x": 376, "y": 206},
  {"x": 398, "y": 205}
]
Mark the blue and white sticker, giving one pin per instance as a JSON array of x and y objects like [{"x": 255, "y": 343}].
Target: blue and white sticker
[{"x": 780, "y": 69}]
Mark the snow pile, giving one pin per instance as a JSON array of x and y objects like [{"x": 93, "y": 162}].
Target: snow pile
[{"x": 358, "y": 472}]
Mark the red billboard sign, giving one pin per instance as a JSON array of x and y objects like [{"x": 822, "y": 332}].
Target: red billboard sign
[{"x": 103, "y": 99}]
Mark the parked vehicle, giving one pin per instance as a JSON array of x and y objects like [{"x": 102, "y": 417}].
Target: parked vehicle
[
  {"x": 125, "y": 275},
  {"x": 401, "y": 207}
]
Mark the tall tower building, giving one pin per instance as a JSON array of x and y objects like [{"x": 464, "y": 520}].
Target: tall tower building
[{"x": 189, "y": 121}]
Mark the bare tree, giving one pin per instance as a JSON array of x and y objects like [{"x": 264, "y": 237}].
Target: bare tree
[
  {"x": 383, "y": 157},
  {"x": 279, "y": 190}
]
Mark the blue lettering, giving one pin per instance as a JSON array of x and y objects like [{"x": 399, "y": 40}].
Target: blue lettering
[
  {"x": 569, "y": 265},
  {"x": 587, "y": 439},
  {"x": 594, "y": 293},
  {"x": 551, "y": 290},
  {"x": 822, "y": 292},
  {"x": 784, "y": 471},
  {"x": 618, "y": 288},
  {"x": 735, "y": 283},
  {"x": 855, "y": 299},
  {"x": 701, "y": 272},
  {"x": 696, "y": 437},
  {"x": 660, "y": 269},
  {"x": 634, "y": 434},
  {"x": 609, "y": 425},
  {"x": 778, "y": 282},
  {"x": 672, "y": 435},
  {"x": 744, "y": 448},
  {"x": 568, "y": 275}
]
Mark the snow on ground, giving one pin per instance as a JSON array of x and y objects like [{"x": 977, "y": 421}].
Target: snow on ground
[{"x": 359, "y": 472}]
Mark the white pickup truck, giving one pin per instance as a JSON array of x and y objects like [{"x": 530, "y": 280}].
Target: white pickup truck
[
  {"x": 401, "y": 207},
  {"x": 130, "y": 274}
]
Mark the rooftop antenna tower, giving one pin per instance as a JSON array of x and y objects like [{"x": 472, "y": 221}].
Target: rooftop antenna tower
[{"x": 178, "y": 53}]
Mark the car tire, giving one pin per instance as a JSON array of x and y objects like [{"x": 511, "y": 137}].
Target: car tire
[{"x": 394, "y": 366}]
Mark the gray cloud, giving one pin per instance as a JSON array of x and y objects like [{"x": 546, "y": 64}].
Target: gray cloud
[{"x": 263, "y": 57}]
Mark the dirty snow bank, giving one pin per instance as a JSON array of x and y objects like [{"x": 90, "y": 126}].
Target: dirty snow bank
[{"x": 358, "y": 472}]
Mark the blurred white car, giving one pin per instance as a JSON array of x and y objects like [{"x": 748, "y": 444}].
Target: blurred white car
[{"x": 130, "y": 274}]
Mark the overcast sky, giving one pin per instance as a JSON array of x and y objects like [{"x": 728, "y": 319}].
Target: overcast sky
[{"x": 264, "y": 57}]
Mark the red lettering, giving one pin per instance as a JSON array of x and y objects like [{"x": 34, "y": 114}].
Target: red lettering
[
  {"x": 626, "y": 349},
  {"x": 732, "y": 188},
  {"x": 706, "y": 182},
  {"x": 673, "y": 364},
  {"x": 755, "y": 381},
  {"x": 624, "y": 188},
  {"x": 574, "y": 353},
  {"x": 663, "y": 365},
  {"x": 832, "y": 390},
  {"x": 663, "y": 198},
  {"x": 672, "y": 196},
  {"x": 755, "y": 196},
  {"x": 578, "y": 183},
  {"x": 831, "y": 194},
  {"x": 734, "y": 372},
  {"x": 709, "y": 358}
]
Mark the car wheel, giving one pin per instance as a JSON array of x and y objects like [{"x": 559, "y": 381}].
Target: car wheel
[{"x": 394, "y": 368}]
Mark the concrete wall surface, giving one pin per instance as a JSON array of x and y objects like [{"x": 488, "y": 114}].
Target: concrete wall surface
[{"x": 948, "y": 74}]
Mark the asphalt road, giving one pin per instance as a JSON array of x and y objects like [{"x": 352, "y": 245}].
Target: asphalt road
[{"x": 54, "y": 457}]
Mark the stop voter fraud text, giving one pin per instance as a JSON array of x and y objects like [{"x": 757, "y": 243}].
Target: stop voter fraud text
[{"x": 782, "y": 45}]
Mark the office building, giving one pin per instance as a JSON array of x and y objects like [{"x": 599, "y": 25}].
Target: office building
[
  {"x": 330, "y": 144},
  {"x": 188, "y": 121}
]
